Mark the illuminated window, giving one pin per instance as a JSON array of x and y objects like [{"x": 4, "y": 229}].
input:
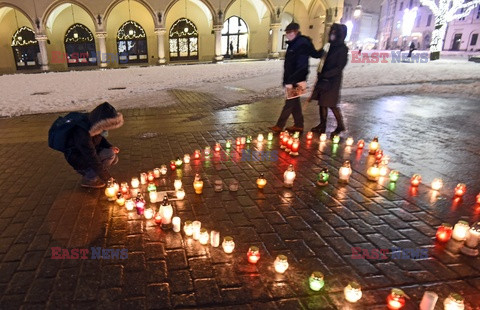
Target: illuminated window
[
  {"x": 25, "y": 49},
  {"x": 132, "y": 43},
  {"x": 474, "y": 39},
  {"x": 429, "y": 20},
  {"x": 80, "y": 46},
  {"x": 183, "y": 40},
  {"x": 235, "y": 37}
]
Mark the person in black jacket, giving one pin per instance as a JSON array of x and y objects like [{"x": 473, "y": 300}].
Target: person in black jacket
[
  {"x": 329, "y": 79},
  {"x": 88, "y": 151},
  {"x": 299, "y": 49}
]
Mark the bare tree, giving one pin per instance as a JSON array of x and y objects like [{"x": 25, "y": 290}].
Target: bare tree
[{"x": 446, "y": 11}]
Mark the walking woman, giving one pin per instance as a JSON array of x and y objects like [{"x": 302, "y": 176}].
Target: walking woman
[{"x": 329, "y": 81}]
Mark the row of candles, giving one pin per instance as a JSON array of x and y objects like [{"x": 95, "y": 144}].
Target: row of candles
[{"x": 352, "y": 291}]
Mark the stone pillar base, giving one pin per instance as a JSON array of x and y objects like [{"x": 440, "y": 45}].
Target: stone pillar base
[
  {"x": 274, "y": 55},
  {"x": 161, "y": 61},
  {"x": 103, "y": 65},
  {"x": 218, "y": 59}
]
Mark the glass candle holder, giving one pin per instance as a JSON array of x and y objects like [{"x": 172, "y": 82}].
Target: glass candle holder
[
  {"x": 204, "y": 236},
  {"x": 218, "y": 186},
  {"x": 460, "y": 189},
  {"x": 198, "y": 185},
  {"x": 156, "y": 173},
  {"x": 444, "y": 232},
  {"x": 207, "y": 151},
  {"x": 143, "y": 178},
  {"x": 353, "y": 292},
  {"x": 186, "y": 158},
  {"x": 177, "y": 184},
  {"x": 151, "y": 187},
  {"x": 238, "y": 141},
  {"x": 373, "y": 146},
  {"x": 289, "y": 177},
  {"x": 261, "y": 181},
  {"x": 228, "y": 144},
  {"x": 345, "y": 172},
  {"x": 270, "y": 136},
  {"x": 454, "y": 301},
  {"x": 140, "y": 205},
  {"x": 294, "y": 148},
  {"x": 217, "y": 147},
  {"x": 153, "y": 196},
  {"x": 360, "y": 144},
  {"x": 197, "y": 225},
  {"x": 228, "y": 245},
  {"x": 188, "y": 228},
  {"x": 166, "y": 211},
  {"x": 396, "y": 299},
  {"x": 373, "y": 173},
  {"x": 233, "y": 187},
  {"x": 214, "y": 238},
  {"x": 309, "y": 135},
  {"x": 124, "y": 188},
  {"x": 284, "y": 141},
  {"x": 260, "y": 137},
  {"x": 163, "y": 169},
  {"x": 149, "y": 213},
  {"x": 316, "y": 281},
  {"x": 281, "y": 264},
  {"x": 416, "y": 180},
  {"x": 296, "y": 134},
  {"x": 378, "y": 155},
  {"x": 178, "y": 162},
  {"x": 180, "y": 193},
  {"x": 394, "y": 176},
  {"x": 460, "y": 231},
  {"x": 150, "y": 176},
  {"x": 349, "y": 141},
  {"x": 120, "y": 199},
  {"x": 323, "y": 176},
  {"x": 473, "y": 236},
  {"x": 135, "y": 183},
  {"x": 173, "y": 166},
  {"x": 196, "y": 154},
  {"x": 288, "y": 147},
  {"x": 429, "y": 300},
  {"x": 383, "y": 170},
  {"x": 253, "y": 254},
  {"x": 129, "y": 204},
  {"x": 336, "y": 139},
  {"x": 437, "y": 184},
  {"x": 158, "y": 219},
  {"x": 110, "y": 191},
  {"x": 249, "y": 139}
]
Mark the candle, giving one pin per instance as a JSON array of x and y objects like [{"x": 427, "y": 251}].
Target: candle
[
  {"x": 454, "y": 301},
  {"x": 344, "y": 172},
  {"x": 151, "y": 187},
  {"x": 396, "y": 299},
  {"x": 294, "y": 148},
  {"x": 153, "y": 195},
  {"x": 360, "y": 144},
  {"x": 172, "y": 165},
  {"x": 218, "y": 186},
  {"x": 373, "y": 173},
  {"x": 198, "y": 184},
  {"x": 261, "y": 181},
  {"x": 473, "y": 236},
  {"x": 444, "y": 232},
  {"x": 243, "y": 140},
  {"x": 323, "y": 176},
  {"x": 110, "y": 191},
  {"x": 148, "y": 213},
  {"x": 478, "y": 199},
  {"x": 270, "y": 136},
  {"x": 188, "y": 228},
  {"x": 180, "y": 193},
  {"x": 150, "y": 176},
  {"x": 416, "y": 180},
  {"x": 135, "y": 183},
  {"x": 233, "y": 187},
  {"x": 217, "y": 147},
  {"x": 253, "y": 254},
  {"x": 166, "y": 212},
  {"x": 203, "y": 236},
  {"x": 120, "y": 199},
  {"x": 156, "y": 173},
  {"x": 239, "y": 141},
  {"x": 186, "y": 158},
  {"x": 228, "y": 144},
  {"x": 437, "y": 184},
  {"x": 289, "y": 176},
  {"x": 178, "y": 162},
  {"x": 214, "y": 238},
  {"x": 394, "y": 176},
  {"x": 177, "y": 184},
  {"x": 309, "y": 135},
  {"x": 260, "y": 137},
  {"x": 378, "y": 155},
  {"x": 196, "y": 229},
  {"x": 163, "y": 169},
  {"x": 140, "y": 204},
  {"x": 296, "y": 134},
  {"x": 284, "y": 141},
  {"x": 288, "y": 147},
  {"x": 228, "y": 245},
  {"x": 124, "y": 188},
  {"x": 207, "y": 151},
  {"x": 143, "y": 178},
  {"x": 353, "y": 292},
  {"x": 373, "y": 146},
  {"x": 460, "y": 231},
  {"x": 158, "y": 219},
  {"x": 129, "y": 204},
  {"x": 196, "y": 154},
  {"x": 428, "y": 301},
  {"x": 316, "y": 281},
  {"x": 281, "y": 264},
  {"x": 336, "y": 139},
  {"x": 460, "y": 189},
  {"x": 383, "y": 170},
  {"x": 349, "y": 141},
  {"x": 249, "y": 139}
]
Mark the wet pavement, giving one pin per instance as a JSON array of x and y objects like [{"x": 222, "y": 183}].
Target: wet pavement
[{"x": 43, "y": 206}]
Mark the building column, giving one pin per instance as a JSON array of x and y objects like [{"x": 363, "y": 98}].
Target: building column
[
  {"x": 102, "y": 58},
  {"x": 42, "y": 44},
  {"x": 275, "y": 28},
  {"x": 161, "y": 44},
  {"x": 217, "y": 29}
]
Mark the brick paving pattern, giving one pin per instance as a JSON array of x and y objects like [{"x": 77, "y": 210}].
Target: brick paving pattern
[{"x": 42, "y": 206}]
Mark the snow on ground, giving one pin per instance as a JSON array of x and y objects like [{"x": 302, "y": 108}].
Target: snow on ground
[{"x": 232, "y": 82}]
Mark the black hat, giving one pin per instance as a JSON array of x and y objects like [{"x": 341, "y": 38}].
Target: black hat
[
  {"x": 292, "y": 27},
  {"x": 104, "y": 117}
]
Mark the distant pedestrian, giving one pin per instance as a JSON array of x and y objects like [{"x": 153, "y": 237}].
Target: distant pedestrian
[
  {"x": 231, "y": 49},
  {"x": 82, "y": 139},
  {"x": 295, "y": 74},
  {"x": 329, "y": 79},
  {"x": 412, "y": 48}
]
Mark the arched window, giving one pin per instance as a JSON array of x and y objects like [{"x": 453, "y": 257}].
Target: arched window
[
  {"x": 80, "y": 46},
  {"x": 183, "y": 40},
  {"x": 234, "y": 37},
  {"x": 25, "y": 48},
  {"x": 132, "y": 43}
]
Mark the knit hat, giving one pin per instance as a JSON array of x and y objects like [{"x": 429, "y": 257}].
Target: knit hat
[
  {"x": 104, "y": 117},
  {"x": 292, "y": 27}
]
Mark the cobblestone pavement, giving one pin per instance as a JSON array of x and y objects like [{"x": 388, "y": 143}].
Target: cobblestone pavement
[{"x": 42, "y": 206}]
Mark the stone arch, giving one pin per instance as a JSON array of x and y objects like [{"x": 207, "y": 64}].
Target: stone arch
[
  {"x": 142, "y": 2},
  {"x": 52, "y": 7},
  {"x": 267, "y": 3},
  {"x": 204, "y": 2},
  {"x": 13, "y": 6}
]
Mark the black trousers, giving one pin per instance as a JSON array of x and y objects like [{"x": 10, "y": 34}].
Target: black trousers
[{"x": 294, "y": 107}]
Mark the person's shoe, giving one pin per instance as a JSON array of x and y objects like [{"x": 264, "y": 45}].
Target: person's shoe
[
  {"x": 275, "y": 129},
  {"x": 336, "y": 132},
  {"x": 97, "y": 183},
  {"x": 318, "y": 129},
  {"x": 294, "y": 128}
]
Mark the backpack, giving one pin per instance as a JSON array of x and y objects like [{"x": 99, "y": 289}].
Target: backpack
[{"x": 60, "y": 130}]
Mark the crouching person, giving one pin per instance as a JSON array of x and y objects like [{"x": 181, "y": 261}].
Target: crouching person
[{"x": 82, "y": 139}]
